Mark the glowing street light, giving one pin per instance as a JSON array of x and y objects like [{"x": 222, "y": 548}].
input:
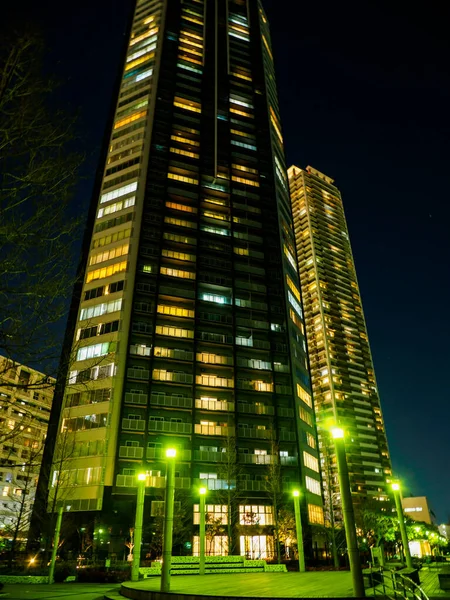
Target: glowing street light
[
  {"x": 138, "y": 522},
  {"x": 401, "y": 522},
  {"x": 168, "y": 520},
  {"x": 348, "y": 514},
  {"x": 202, "y": 540},
  {"x": 299, "y": 531}
]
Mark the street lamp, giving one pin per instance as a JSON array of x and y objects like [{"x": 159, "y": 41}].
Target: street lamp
[
  {"x": 299, "y": 530},
  {"x": 347, "y": 510},
  {"x": 401, "y": 522},
  {"x": 138, "y": 521},
  {"x": 168, "y": 520},
  {"x": 202, "y": 492}
]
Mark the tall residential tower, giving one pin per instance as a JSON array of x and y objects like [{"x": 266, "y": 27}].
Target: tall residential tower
[
  {"x": 189, "y": 330},
  {"x": 343, "y": 377}
]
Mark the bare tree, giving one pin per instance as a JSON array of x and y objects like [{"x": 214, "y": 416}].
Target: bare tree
[
  {"x": 38, "y": 171},
  {"x": 229, "y": 471},
  {"x": 274, "y": 487}
]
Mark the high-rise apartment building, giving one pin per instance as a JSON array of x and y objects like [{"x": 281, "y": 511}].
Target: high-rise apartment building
[
  {"x": 343, "y": 378},
  {"x": 190, "y": 330},
  {"x": 25, "y": 400}
]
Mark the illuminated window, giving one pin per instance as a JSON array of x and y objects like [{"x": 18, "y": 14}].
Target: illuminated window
[
  {"x": 184, "y": 207},
  {"x": 106, "y": 271},
  {"x": 182, "y": 239},
  {"x": 184, "y": 153},
  {"x": 245, "y": 181},
  {"x": 176, "y": 273},
  {"x": 315, "y": 514},
  {"x": 310, "y": 440},
  {"x": 180, "y": 222},
  {"x": 214, "y": 512},
  {"x": 289, "y": 256},
  {"x": 303, "y": 395},
  {"x": 255, "y": 515},
  {"x": 215, "y": 298},
  {"x": 176, "y": 311},
  {"x": 100, "y": 309},
  {"x": 179, "y": 255},
  {"x": 187, "y": 104},
  {"x": 130, "y": 119},
  {"x": 293, "y": 288},
  {"x": 312, "y": 485},
  {"x": 125, "y": 189},
  {"x": 139, "y": 61},
  {"x": 310, "y": 461},
  {"x": 111, "y": 238},
  {"x": 276, "y": 124},
  {"x": 174, "y": 331},
  {"x": 109, "y": 254},
  {"x": 305, "y": 416},
  {"x": 93, "y": 351},
  {"x": 184, "y": 140}
]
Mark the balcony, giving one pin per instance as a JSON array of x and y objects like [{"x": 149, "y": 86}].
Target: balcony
[
  {"x": 218, "y": 484},
  {"x": 258, "y": 434},
  {"x": 213, "y": 381},
  {"x": 247, "y": 485},
  {"x": 257, "y": 459},
  {"x": 133, "y": 373},
  {"x": 172, "y": 376},
  {"x": 288, "y": 461},
  {"x": 255, "y": 385},
  {"x": 286, "y": 412},
  {"x": 133, "y": 424},
  {"x": 214, "y": 457},
  {"x": 131, "y": 452},
  {"x": 283, "y": 389},
  {"x": 182, "y": 483},
  {"x": 214, "y": 430},
  {"x": 171, "y": 400},
  {"x": 160, "y": 454},
  {"x": 170, "y": 427},
  {"x": 218, "y": 405},
  {"x": 256, "y": 409},
  {"x": 287, "y": 436},
  {"x": 132, "y": 398}
]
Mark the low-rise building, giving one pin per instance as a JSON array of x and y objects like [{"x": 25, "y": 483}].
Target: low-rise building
[
  {"x": 417, "y": 508},
  {"x": 25, "y": 401}
]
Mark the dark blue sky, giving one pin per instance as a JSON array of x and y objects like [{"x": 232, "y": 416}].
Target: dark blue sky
[{"x": 365, "y": 98}]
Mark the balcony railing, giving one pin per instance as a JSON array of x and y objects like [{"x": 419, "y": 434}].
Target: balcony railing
[
  {"x": 213, "y": 430},
  {"x": 131, "y": 452},
  {"x": 256, "y": 409},
  {"x": 214, "y": 457},
  {"x": 172, "y": 376},
  {"x": 257, "y": 459},
  {"x": 214, "y": 381},
  {"x": 171, "y": 400},
  {"x": 287, "y": 436},
  {"x": 214, "y": 405},
  {"x": 286, "y": 412},
  {"x": 133, "y": 424},
  {"x": 160, "y": 454},
  {"x": 134, "y": 373},
  {"x": 251, "y": 486},
  {"x": 253, "y": 433},
  {"x": 218, "y": 484},
  {"x": 170, "y": 427},
  {"x": 132, "y": 398}
]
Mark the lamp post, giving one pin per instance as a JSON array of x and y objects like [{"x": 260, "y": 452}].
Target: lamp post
[
  {"x": 138, "y": 520},
  {"x": 299, "y": 530},
  {"x": 401, "y": 522},
  {"x": 168, "y": 520},
  {"x": 51, "y": 572},
  {"x": 349, "y": 516},
  {"x": 202, "y": 492}
]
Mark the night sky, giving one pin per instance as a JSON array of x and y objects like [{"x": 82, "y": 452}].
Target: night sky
[{"x": 365, "y": 98}]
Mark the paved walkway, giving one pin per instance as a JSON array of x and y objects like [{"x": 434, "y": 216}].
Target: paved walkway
[
  {"x": 68, "y": 591},
  {"x": 258, "y": 585}
]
